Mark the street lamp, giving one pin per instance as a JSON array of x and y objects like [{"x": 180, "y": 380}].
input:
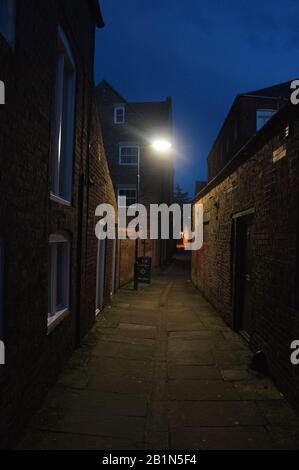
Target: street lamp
[{"x": 161, "y": 146}]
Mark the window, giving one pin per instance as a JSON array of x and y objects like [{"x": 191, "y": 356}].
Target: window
[
  {"x": 130, "y": 194},
  {"x": 8, "y": 20},
  {"x": 128, "y": 154},
  {"x": 119, "y": 114},
  {"x": 63, "y": 136},
  {"x": 59, "y": 277},
  {"x": 262, "y": 116}
]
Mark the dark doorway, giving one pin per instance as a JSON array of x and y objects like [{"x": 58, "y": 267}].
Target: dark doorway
[{"x": 243, "y": 275}]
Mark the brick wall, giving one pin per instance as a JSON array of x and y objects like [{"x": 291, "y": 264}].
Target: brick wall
[
  {"x": 253, "y": 181},
  {"x": 28, "y": 216}
]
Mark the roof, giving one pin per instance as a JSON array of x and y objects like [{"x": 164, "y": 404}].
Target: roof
[
  {"x": 97, "y": 13},
  {"x": 105, "y": 84},
  {"x": 281, "y": 90},
  {"x": 139, "y": 106},
  {"x": 151, "y": 107},
  {"x": 286, "y": 113}
]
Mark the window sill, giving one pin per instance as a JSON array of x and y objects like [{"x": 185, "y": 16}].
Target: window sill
[
  {"x": 56, "y": 319},
  {"x": 60, "y": 200}
]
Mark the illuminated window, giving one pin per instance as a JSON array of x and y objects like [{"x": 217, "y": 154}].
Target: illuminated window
[
  {"x": 128, "y": 154},
  {"x": 119, "y": 114},
  {"x": 8, "y": 20},
  {"x": 63, "y": 137},
  {"x": 59, "y": 276},
  {"x": 262, "y": 116}
]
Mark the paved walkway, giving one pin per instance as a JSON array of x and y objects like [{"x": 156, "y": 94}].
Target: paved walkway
[{"x": 161, "y": 370}]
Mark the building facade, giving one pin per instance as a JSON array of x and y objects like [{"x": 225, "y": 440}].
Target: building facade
[
  {"x": 54, "y": 275},
  {"x": 249, "y": 112},
  {"x": 128, "y": 132},
  {"x": 248, "y": 265}
]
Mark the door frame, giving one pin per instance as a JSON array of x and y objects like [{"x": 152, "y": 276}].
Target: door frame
[
  {"x": 236, "y": 262},
  {"x": 100, "y": 278},
  {"x": 114, "y": 267}
]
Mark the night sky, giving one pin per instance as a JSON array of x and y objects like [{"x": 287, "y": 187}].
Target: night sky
[{"x": 200, "y": 53}]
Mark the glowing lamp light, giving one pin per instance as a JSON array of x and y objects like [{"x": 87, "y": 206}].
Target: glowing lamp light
[{"x": 161, "y": 145}]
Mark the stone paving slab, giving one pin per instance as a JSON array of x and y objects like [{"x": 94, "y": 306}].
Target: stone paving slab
[
  {"x": 226, "y": 438},
  {"x": 111, "y": 403},
  {"x": 192, "y": 335},
  {"x": 38, "y": 440},
  {"x": 161, "y": 370},
  {"x": 258, "y": 390},
  {"x": 119, "y": 384},
  {"x": 103, "y": 425},
  {"x": 122, "y": 367},
  {"x": 183, "y": 326},
  {"x": 216, "y": 414},
  {"x": 285, "y": 437},
  {"x": 122, "y": 350},
  {"x": 198, "y": 390},
  {"x": 193, "y": 372},
  {"x": 279, "y": 413}
]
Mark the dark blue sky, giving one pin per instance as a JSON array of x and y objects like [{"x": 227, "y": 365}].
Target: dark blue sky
[{"x": 200, "y": 53}]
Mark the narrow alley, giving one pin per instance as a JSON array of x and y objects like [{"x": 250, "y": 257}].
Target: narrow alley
[{"x": 160, "y": 370}]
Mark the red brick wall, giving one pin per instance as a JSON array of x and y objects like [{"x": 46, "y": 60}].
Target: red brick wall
[{"x": 272, "y": 190}]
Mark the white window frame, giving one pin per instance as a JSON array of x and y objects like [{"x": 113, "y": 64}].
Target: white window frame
[
  {"x": 54, "y": 314},
  {"x": 8, "y": 21},
  {"x": 128, "y": 145},
  {"x": 126, "y": 188},
  {"x": 63, "y": 145},
  {"x": 116, "y": 109},
  {"x": 264, "y": 110}
]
